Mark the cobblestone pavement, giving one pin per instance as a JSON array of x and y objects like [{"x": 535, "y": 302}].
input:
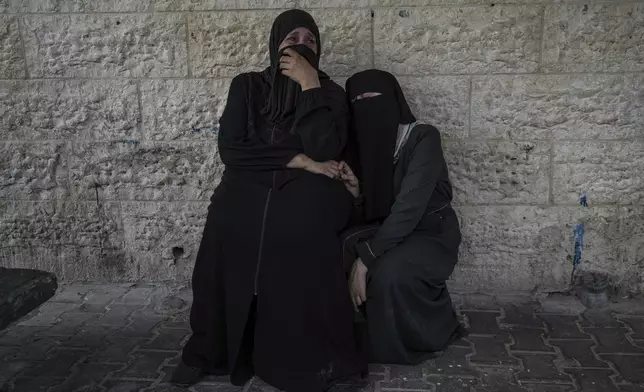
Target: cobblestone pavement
[{"x": 121, "y": 338}]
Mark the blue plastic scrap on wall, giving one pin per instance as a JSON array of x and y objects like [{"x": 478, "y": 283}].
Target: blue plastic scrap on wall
[{"x": 579, "y": 243}]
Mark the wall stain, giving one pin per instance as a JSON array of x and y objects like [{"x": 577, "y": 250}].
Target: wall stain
[{"x": 213, "y": 129}]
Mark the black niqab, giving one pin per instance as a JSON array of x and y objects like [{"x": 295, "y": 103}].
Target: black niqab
[
  {"x": 284, "y": 92},
  {"x": 374, "y": 129}
]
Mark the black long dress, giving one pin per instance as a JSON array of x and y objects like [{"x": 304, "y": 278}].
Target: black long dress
[
  {"x": 270, "y": 294},
  {"x": 410, "y": 256}
]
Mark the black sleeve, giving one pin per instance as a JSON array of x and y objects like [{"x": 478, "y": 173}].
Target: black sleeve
[
  {"x": 236, "y": 148},
  {"x": 322, "y": 121},
  {"x": 417, "y": 187}
]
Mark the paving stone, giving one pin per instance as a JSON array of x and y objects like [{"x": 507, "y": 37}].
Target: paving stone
[
  {"x": 144, "y": 365},
  {"x": 47, "y": 314},
  {"x": 105, "y": 294},
  {"x": 141, "y": 326},
  {"x": 445, "y": 384},
  {"x": 92, "y": 308},
  {"x": 636, "y": 324},
  {"x": 91, "y": 337},
  {"x": 87, "y": 377},
  {"x": 529, "y": 340},
  {"x": 137, "y": 296},
  {"x": 34, "y": 384},
  {"x": 613, "y": 341},
  {"x": 117, "y": 315},
  {"x": 220, "y": 388},
  {"x": 492, "y": 351},
  {"x": 629, "y": 367},
  {"x": 593, "y": 380},
  {"x": 498, "y": 380},
  {"x": 406, "y": 373},
  {"x": 631, "y": 388},
  {"x": 20, "y": 336},
  {"x": 35, "y": 351},
  {"x": 483, "y": 323},
  {"x": 522, "y": 315},
  {"x": 453, "y": 363},
  {"x": 70, "y": 323},
  {"x": 480, "y": 302},
  {"x": 115, "y": 349},
  {"x": 7, "y": 351},
  {"x": 580, "y": 351},
  {"x": 540, "y": 368},
  {"x": 71, "y": 293},
  {"x": 125, "y": 385},
  {"x": 563, "y": 327},
  {"x": 602, "y": 318},
  {"x": 167, "y": 339},
  {"x": 58, "y": 364},
  {"x": 410, "y": 385},
  {"x": 549, "y": 388},
  {"x": 9, "y": 369}
]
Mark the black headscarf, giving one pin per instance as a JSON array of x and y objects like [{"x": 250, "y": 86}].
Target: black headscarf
[
  {"x": 374, "y": 128},
  {"x": 284, "y": 91}
]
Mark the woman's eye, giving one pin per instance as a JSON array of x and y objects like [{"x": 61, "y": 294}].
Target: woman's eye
[{"x": 290, "y": 39}]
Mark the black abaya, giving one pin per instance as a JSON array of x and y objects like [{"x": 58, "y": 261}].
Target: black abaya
[
  {"x": 270, "y": 295},
  {"x": 412, "y": 250}
]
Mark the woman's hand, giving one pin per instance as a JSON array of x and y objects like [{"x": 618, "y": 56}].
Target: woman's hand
[
  {"x": 349, "y": 179},
  {"x": 358, "y": 283},
  {"x": 330, "y": 169},
  {"x": 299, "y": 69}
]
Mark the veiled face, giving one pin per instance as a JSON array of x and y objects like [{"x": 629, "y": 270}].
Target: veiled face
[{"x": 302, "y": 36}]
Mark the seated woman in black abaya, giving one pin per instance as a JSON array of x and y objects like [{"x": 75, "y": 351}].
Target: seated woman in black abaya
[
  {"x": 270, "y": 293},
  {"x": 406, "y": 244}
]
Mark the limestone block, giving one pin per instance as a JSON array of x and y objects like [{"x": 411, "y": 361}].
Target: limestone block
[
  {"x": 632, "y": 245},
  {"x": 207, "y": 5},
  {"x": 102, "y": 45},
  {"x": 61, "y": 222},
  {"x": 36, "y": 257},
  {"x": 529, "y": 247},
  {"x": 224, "y": 44},
  {"x": 417, "y": 3},
  {"x": 52, "y": 6},
  {"x": 133, "y": 170},
  {"x": 33, "y": 170},
  {"x": 440, "y": 101},
  {"x": 163, "y": 238},
  {"x": 499, "y": 172},
  {"x": 70, "y": 109},
  {"x": 594, "y": 38},
  {"x": 183, "y": 109},
  {"x": 458, "y": 40},
  {"x": 608, "y": 172},
  {"x": 12, "y": 63},
  {"x": 95, "y": 264},
  {"x": 558, "y": 106}
]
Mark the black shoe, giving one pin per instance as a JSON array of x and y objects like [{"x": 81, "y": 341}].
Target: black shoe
[{"x": 185, "y": 376}]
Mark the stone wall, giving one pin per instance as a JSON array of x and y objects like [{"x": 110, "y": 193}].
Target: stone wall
[{"x": 110, "y": 116}]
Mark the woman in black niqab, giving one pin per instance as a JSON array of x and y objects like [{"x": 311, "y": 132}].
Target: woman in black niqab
[
  {"x": 407, "y": 246},
  {"x": 270, "y": 294}
]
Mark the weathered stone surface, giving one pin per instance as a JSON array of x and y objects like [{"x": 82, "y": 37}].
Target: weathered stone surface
[
  {"x": 523, "y": 248},
  {"x": 152, "y": 230},
  {"x": 440, "y": 101},
  {"x": 608, "y": 172},
  {"x": 485, "y": 172},
  {"x": 23, "y": 290},
  {"x": 103, "y": 110},
  {"x": 182, "y": 109},
  {"x": 558, "y": 106},
  {"x": 595, "y": 38},
  {"x": 206, "y": 5},
  {"x": 51, "y": 6},
  {"x": 98, "y": 45},
  {"x": 57, "y": 223},
  {"x": 130, "y": 170},
  {"x": 224, "y": 44},
  {"x": 458, "y": 40},
  {"x": 33, "y": 170},
  {"x": 631, "y": 235},
  {"x": 416, "y": 3},
  {"x": 12, "y": 63}
]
